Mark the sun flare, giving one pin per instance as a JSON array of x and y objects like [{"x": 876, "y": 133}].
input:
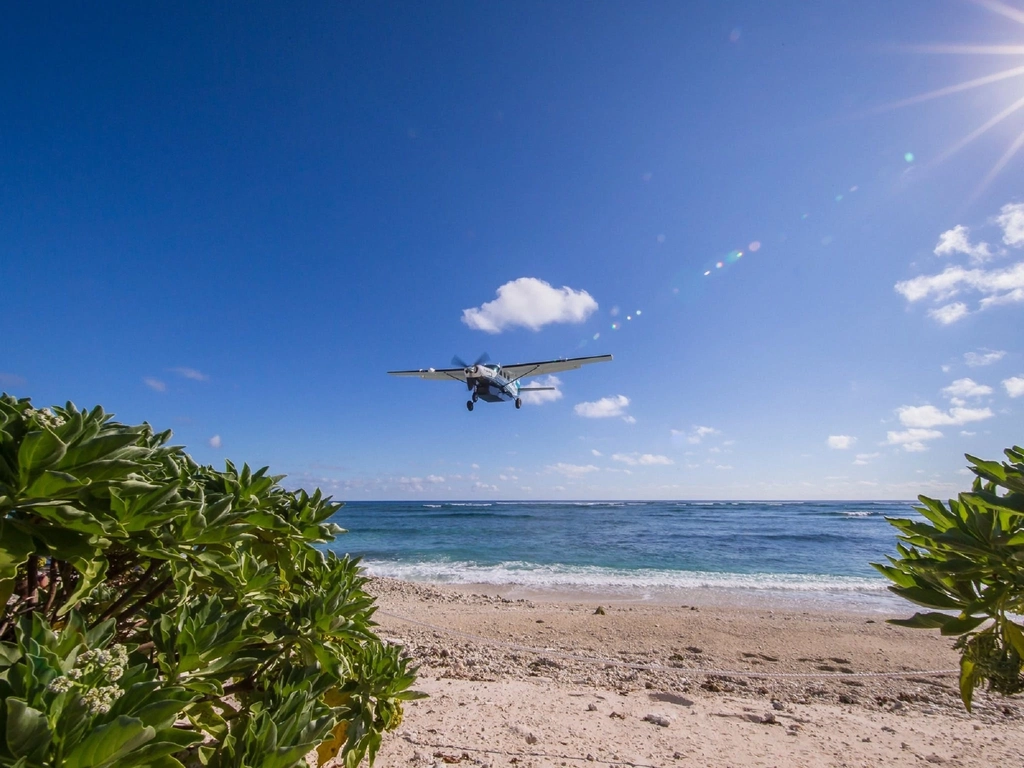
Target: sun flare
[{"x": 1015, "y": 14}]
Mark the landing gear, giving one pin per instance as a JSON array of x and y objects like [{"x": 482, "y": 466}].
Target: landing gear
[
  {"x": 475, "y": 398},
  {"x": 519, "y": 402},
  {"x": 469, "y": 405}
]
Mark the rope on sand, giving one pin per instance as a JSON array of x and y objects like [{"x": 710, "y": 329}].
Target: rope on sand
[{"x": 696, "y": 671}]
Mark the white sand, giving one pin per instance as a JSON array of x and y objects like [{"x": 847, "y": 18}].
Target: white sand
[{"x": 494, "y": 704}]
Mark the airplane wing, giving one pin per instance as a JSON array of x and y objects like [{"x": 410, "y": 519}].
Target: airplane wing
[
  {"x": 442, "y": 374},
  {"x": 523, "y": 370}
]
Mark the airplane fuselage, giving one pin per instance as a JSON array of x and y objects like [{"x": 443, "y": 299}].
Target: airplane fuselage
[{"x": 491, "y": 384}]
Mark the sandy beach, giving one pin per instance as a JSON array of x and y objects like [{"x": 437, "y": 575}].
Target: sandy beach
[{"x": 553, "y": 681}]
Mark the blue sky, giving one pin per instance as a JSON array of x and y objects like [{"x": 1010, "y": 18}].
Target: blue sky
[{"x": 232, "y": 221}]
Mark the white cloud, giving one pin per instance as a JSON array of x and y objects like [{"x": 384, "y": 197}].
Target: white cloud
[
  {"x": 1016, "y": 296},
  {"x": 696, "y": 435},
  {"x": 604, "y": 408},
  {"x": 644, "y": 459},
  {"x": 865, "y": 458},
  {"x": 12, "y": 380},
  {"x": 572, "y": 470},
  {"x": 966, "y": 388},
  {"x": 215, "y": 441},
  {"x": 546, "y": 396},
  {"x": 1014, "y": 386},
  {"x": 629, "y": 419},
  {"x": 411, "y": 483},
  {"x": 997, "y": 286},
  {"x": 530, "y": 303},
  {"x": 927, "y": 416},
  {"x": 724, "y": 466},
  {"x": 596, "y": 452},
  {"x": 435, "y": 479},
  {"x": 478, "y": 486},
  {"x": 155, "y": 384},
  {"x": 912, "y": 439},
  {"x": 840, "y": 442},
  {"x": 983, "y": 357},
  {"x": 957, "y": 240},
  {"x": 949, "y": 313},
  {"x": 475, "y": 466},
  {"x": 191, "y": 373},
  {"x": 1011, "y": 219}
]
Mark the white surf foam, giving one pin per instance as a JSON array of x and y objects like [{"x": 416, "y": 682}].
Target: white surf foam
[{"x": 597, "y": 578}]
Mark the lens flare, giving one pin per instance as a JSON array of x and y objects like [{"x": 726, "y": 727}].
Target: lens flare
[
  {"x": 615, "y": 326},
  {"x": 597, "y": 336},
  {"x": 754, "y": 247},
  {"x": 909, "y": 157},
  {"x": 719, "y": 265},
  {"x": 637, "y": 313}
]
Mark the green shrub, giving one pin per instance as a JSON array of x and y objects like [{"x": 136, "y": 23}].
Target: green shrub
[
  {"x": 158, "y": 612},
  {"x": 967, "y": 561}
]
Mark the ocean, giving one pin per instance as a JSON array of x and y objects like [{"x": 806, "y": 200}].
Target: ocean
[{"x": 814, "y": 554}]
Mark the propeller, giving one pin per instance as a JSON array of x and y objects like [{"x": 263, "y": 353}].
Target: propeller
[{"x": 456, "y": 360}]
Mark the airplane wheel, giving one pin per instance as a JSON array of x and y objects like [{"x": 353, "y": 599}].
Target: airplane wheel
[
  {"x": 519, "y": 402},
  {"x": 469, "y": 405}
]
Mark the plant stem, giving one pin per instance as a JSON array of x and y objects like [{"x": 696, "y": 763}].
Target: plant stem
[
  {"x": 32, "y": 581},
  {"x": 146, "y": 599},
  {"x": 123, "y": 600},
  {"x": 52, "y": 598}
]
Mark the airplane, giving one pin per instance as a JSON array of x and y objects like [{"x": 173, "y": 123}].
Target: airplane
[{"x": 500, "y": 383}]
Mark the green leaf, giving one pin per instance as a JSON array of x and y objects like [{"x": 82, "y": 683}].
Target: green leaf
[
  {"x": 39, "y": 450},
  {"x": 109, "y": 742},
  {"x": 967, "y": 681},
  {"x": 929, "y": 620},
  {"x": 28, "y": 733},
  {"x": 98, "y": 448},
  {"x": 52, "y": 483},
  {"x": 1014, "y": 637},
  {"x": 926, "y": 596},
  {"x": 962, "y": 625},
  {"x": 15, "y": 547}
]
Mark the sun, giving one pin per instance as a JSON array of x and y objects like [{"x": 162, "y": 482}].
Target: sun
[{"x": 1015, "y": 14}]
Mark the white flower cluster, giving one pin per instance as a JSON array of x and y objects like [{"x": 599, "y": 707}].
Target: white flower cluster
[
  {"x": 112, "y": 662},
  {"x": 61, "y": 684},
  {"x": 99, "y": 700},
  {"x": 45, "y": 417},
  {"x": 102, "y": 666}
]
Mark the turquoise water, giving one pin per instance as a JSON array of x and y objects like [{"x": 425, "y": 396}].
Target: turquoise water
[{"x": 803, "y": 551}]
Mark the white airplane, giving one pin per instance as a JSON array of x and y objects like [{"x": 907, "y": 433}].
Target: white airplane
[{"x": 500, "y": 383}]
